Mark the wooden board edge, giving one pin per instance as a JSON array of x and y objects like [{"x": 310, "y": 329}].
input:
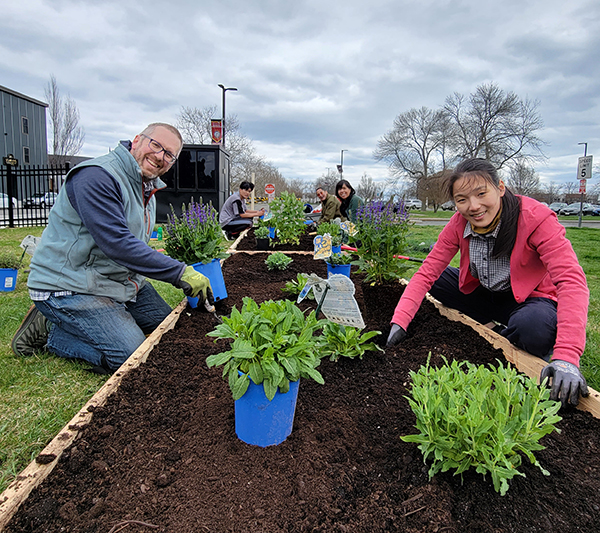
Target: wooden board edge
[
  {"x": 525, "y": 362},
  {"x": 18, "y": 491}
]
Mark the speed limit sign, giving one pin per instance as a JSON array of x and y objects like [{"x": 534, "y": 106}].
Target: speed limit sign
[{"x": 584, "y": 168}]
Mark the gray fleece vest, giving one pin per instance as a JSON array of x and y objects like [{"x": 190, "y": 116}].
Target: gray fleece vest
[{"x": 68, "y": 259}]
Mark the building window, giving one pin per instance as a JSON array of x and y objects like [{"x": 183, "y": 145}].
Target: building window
[
  {"x": 25, "y": 125},
  {"x": 25, "y": 155}
]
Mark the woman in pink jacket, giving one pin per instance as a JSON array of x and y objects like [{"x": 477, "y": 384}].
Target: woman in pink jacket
[{"x": 517, "y": 270}]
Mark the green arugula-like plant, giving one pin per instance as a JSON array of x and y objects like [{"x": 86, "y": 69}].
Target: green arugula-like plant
[
  {"x": 273, "y": 344},
  {"x": 480, "y": 418},
  {"x": 339, "y": 259},
  {"x": 288, "y": 218},
  {"x": 294, "y": 287},
  {"x": 278, "y": 261},
  {"x": 261, "y": 232},
  {"x": 346, "y": 341},
  {"x": 333, "y": 229}
]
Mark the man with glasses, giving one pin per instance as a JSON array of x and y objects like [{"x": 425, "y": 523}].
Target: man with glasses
[{"x": 88, "y": 274}]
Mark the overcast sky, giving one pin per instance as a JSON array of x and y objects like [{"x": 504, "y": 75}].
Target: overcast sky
[{"x": 314, "y": 77}]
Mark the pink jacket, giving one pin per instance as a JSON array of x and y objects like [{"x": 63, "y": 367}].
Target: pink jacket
[{"x": 542, "y": 264}]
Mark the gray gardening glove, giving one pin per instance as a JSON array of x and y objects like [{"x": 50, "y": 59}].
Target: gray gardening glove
[
  {"x": 567, "y": 382},
  {"x": 397, "y": 334}
]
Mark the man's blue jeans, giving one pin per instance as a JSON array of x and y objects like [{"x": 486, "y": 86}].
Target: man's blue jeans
[{"x": 91, "y": 327}]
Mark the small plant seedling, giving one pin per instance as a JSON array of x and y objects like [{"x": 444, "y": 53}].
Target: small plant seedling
[
  {"x": 346, "y": 341},
  {"x": 294, "y": 287},
  {"x": 278, "y": 261}
]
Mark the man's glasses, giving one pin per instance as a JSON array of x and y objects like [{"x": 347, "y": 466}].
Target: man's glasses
[{"x": 157, "y": 148}]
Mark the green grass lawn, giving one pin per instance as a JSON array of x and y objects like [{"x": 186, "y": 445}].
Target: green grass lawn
[{"x": 40, "y": 394}]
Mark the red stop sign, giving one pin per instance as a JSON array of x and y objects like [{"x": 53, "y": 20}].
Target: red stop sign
[{"x": 269, "y": 188}]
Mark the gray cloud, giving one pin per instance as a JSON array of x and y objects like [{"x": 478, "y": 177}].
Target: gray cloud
[{"x": 313, "y": 77}]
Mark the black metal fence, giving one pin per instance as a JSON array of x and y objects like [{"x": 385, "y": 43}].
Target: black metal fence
[{"x": 27, "y": 193}]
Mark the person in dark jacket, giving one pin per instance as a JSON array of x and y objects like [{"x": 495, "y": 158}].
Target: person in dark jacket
[
  {"x": 330, "y": 206},
  {"x": 349, "y": 200},
  {"x": 88, "y": 274}
]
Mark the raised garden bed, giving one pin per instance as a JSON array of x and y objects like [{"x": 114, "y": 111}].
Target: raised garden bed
[{"x": 162, "y": 455}]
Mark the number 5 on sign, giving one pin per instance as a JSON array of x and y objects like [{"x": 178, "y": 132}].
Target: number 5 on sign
[{"x": 584, "y": 168}]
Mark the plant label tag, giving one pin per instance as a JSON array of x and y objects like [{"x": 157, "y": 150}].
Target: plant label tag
[
  {"x": 268, "y": 215},
  {"x": 349, "y": 228},
  {"x": 322, "y": 246},
  {"x": 312, "y": 280},
  {"x": 339, "y": 305}
]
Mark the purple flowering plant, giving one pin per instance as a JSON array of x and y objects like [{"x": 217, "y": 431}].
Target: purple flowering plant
[
  {"x": 195, "y": 236},
  {"x": 382, "y": 230}
]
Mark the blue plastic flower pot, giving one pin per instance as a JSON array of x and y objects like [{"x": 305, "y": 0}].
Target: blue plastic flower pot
[
  {"x": 214, "y": 273},
  {"x": 336, "y": 249},
  {"x": 8, "y": 279},
  {"x": 262, "y": 422},
  {"x": 338, "y": 269},
  {"x": 271, "y": 232}
]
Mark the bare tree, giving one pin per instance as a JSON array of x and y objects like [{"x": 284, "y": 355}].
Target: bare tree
[
  {"x": 552, "y": 192},
  {"x": 414, "y": 145},
  {"x": 195, "y": 124},
  {"x": 495, "y": 125},
  {"x": 433, "y": 189},
  {"x": 523, "y": 179},
  {"x": 66, "y": 133},
  {"x": 570, "y": 188},
  {"x": 195, "y": 127},
  {"x": 368, "y": 189},
  {"x": 327, "y": 181}
]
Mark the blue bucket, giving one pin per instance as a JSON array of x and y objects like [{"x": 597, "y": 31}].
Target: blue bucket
[
  {"x": 8, "y": 279},
  {"x": 338, "y": 269},
  {"x": 214, "y": 273},
  {"x": 262, "y": 422}
]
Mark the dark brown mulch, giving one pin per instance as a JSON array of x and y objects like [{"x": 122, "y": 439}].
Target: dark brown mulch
[{"x": 163, "y": 451}]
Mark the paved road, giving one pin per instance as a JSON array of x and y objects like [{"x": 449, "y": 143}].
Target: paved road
[{"x": 573, "y": 223}]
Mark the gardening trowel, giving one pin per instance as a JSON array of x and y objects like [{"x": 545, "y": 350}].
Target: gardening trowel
[{"x": 212, "y": 309}]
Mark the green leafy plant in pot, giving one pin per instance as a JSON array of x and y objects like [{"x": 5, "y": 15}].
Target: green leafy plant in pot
[
  {"x": 334, "y": 230},
  {"x": 339, "y": 263},
  {"x": 273, "y": 346},
  {"x": 261, "y": 233},
  {"x": 9, "y": 268}
]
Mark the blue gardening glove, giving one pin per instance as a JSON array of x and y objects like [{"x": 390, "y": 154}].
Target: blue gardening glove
[
  {"x": 193, "y": 284},
  {"x": 567, "y": 382},
  {"x": 397, "y": 334}
]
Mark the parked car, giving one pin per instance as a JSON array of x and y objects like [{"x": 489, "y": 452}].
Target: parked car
[
  {"x": 596, "y": 212},
  {"x": 557, "y": 206},
  {"x": 48, "y": 200},
  {"x": 4, "y": 201},
  {"x": 34, "y": 200},
  {"x": 413, "y": 203},
  {"x": 448, "y": 206},
  {"x": 573, "y": 209}
]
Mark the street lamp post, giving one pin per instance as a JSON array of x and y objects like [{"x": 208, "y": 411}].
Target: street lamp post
[
  {"x": 342, "y": 163},
  {"x": 225, "y": 89}
]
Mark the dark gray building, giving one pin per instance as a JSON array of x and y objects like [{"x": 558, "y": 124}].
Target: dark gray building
[{"x": 23, "y": 123}]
